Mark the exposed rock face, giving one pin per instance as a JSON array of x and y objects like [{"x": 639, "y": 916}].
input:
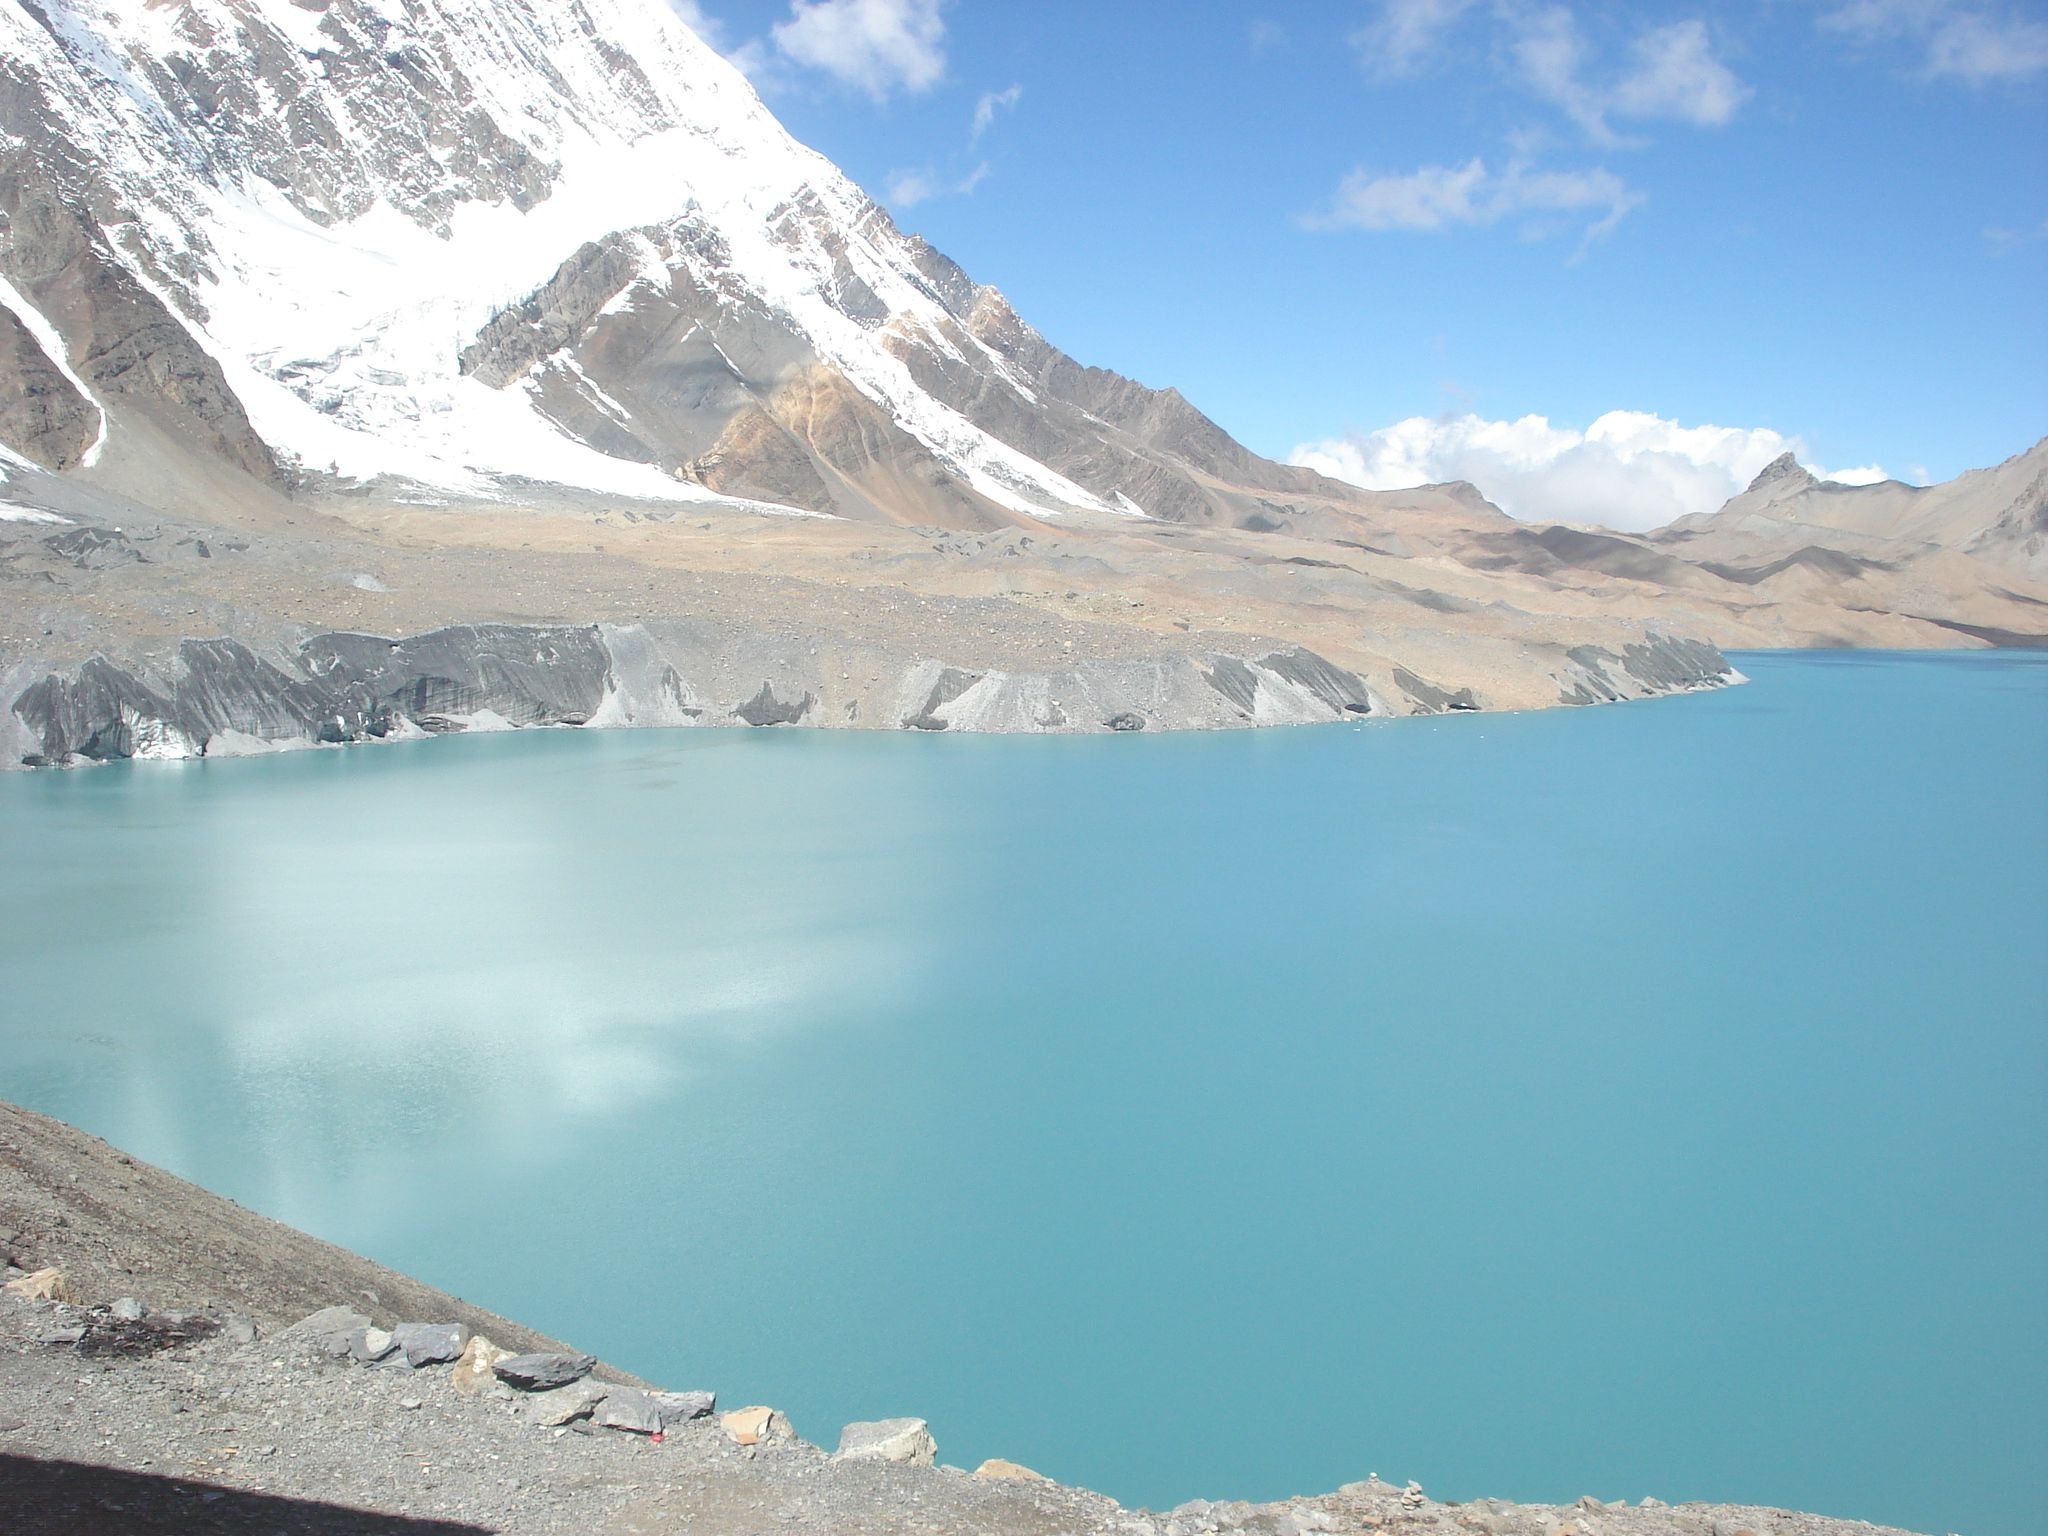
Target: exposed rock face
[
  {"x": 219, "y": 697},
  {"x": 42, "y": 415},
  {"x": 125, "y": 341}
]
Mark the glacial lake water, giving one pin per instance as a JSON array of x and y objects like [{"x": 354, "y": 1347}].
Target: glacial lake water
[{"x": 1638, "y": 1100}]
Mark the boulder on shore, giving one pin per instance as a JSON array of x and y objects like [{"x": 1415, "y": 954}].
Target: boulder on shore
[
  {"x": 753, "y": 1426},
  {"x": 905, "y": 1440},
  {"x": 475, "y": 1370},
  {"x": 543, "y": 1373},
  {"x": 431, "y": 1343},
  {"x": 329, "y": 1330},
  {"x": 995, "y": 1469}
]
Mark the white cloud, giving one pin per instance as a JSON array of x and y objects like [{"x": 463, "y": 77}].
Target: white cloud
[
  {"x": 989, "y": 105},
  {"x": 1265, "y": 33},
  {"x": 1629, "y": 469},
  {"x": 1672, "y": 74},
  {"x": 1435, "y": 197},
  {"x": 1974, "y": 43},
  {"x": 1403, "y": 33},
  {"x": 1669, "y": 72},
  {"x": 2004, "y": 240},
  {"x": 906, "y": 189},
  {"x": 877, "y": 46}
]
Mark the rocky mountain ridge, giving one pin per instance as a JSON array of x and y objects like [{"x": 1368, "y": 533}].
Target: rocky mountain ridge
[{"x": 1997, "y": 515}]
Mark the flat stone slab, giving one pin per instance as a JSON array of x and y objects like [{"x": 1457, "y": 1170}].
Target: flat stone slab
[
  {"x": 630, "y": 1409},
  {"x": 329, "y": 1330},
  {"x": 565, "y": 1405},
  {"x": 677, "y": 1407},
  {"x": 543, "y": 1373},
  {"x": 431, "y": 1343},
  {"x": 904, "y": 1440}
]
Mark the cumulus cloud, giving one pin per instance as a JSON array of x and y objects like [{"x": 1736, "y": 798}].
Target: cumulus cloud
[
  {"x": 1974, "y": 43},
  {"x": 1629, "y": 469},
  {"x": 991, "y": 103},
  {"x": 906, "y": 189},
  {"x": 876, "y": 46},
  {"x": 1435, "y": 197}
]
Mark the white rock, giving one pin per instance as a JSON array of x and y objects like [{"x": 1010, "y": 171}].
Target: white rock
[{"x": 906, "y": 1440}]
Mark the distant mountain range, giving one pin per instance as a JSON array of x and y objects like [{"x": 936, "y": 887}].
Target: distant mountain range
[{"x": 523, "y": 341}]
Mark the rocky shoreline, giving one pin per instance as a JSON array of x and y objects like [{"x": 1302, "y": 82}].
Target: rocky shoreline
[
  {"x": 219, "y": 697},
  {"x": 160, "y": 1370}
]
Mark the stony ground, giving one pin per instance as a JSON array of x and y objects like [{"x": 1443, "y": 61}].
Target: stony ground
[{"x": 150, "y": 1383}]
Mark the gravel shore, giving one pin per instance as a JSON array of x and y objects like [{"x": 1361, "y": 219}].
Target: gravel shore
[{"x": 158, "y": 1372}]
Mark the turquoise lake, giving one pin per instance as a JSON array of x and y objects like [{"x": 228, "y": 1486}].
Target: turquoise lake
[{"x": 1648, "y": 1099}]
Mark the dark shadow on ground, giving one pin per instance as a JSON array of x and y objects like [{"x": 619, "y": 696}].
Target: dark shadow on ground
[{"x": 63, "y": 1498}]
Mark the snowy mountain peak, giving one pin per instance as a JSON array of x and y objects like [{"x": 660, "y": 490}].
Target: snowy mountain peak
[{"x": 468, "y": 243}]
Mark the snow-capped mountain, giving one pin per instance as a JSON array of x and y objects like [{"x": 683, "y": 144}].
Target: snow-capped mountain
[
  {"x": 466, "y": 243},
  {"x": 379, "y": 367}
]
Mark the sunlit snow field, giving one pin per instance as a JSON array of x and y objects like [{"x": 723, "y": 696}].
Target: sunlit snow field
[{"x": 1641, "y": 1100}]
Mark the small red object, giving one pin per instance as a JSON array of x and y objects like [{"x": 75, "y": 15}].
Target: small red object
[{"x": 655, "y": 1437}]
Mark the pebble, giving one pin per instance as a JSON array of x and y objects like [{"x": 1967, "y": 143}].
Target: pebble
[{"x": 129, "y": 1310}]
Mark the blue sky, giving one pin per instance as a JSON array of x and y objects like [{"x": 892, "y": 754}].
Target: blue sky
[{"x": 1814, "y": 223}]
